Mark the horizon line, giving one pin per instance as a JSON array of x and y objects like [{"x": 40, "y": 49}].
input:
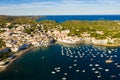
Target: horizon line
[{"x": 61, "y": 15}]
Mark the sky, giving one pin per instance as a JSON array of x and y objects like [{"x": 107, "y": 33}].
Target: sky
[{"x": 59, "y": 7}]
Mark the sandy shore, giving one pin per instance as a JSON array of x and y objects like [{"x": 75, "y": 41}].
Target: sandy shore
[{"x": 17, "y": 54}]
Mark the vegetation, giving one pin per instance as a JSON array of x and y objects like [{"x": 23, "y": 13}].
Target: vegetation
[
  {"x": 2, "y": 43},
  {"x": 48, "y": 25},
  {"x": 29, "y": 30},
  {"x": 18, "y": 19},
  {"x": 109, "y": 28},
  {"x": 98, "y": 36},
  {"x": 4, "y": 55}
]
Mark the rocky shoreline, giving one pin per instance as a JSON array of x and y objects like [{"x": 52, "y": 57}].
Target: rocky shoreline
[{"x": 105, "y": 45}]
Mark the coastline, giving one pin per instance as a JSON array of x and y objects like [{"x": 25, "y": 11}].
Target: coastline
[
  {"x": 18, "y": 55},
  {"x": 108, "y": 45},
  {"x": 22, "y": 52},
  {"x": 15, "y": 37},
  {"x": 104, "y": 45}
]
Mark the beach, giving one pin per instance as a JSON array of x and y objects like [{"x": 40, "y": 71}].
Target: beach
[{"x": 10, "y": 61}]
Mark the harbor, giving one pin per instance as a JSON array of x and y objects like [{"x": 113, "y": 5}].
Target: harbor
[
  {"x": 59, "y": 40},
  {"x": 66, "y": 63}
]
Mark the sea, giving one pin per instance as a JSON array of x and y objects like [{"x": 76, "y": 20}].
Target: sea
[
  {"x": 63, "y": 18},
  {"x": 67, "y": 62}
]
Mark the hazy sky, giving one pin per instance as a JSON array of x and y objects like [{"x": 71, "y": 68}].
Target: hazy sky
[{"x": 59, "y": 7}]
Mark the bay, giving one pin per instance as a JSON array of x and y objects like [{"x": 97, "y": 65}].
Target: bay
[{"x": 58, "y": 62}]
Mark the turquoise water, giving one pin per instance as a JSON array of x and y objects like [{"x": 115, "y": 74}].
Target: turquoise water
[{"x": 57, "y": 62}]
